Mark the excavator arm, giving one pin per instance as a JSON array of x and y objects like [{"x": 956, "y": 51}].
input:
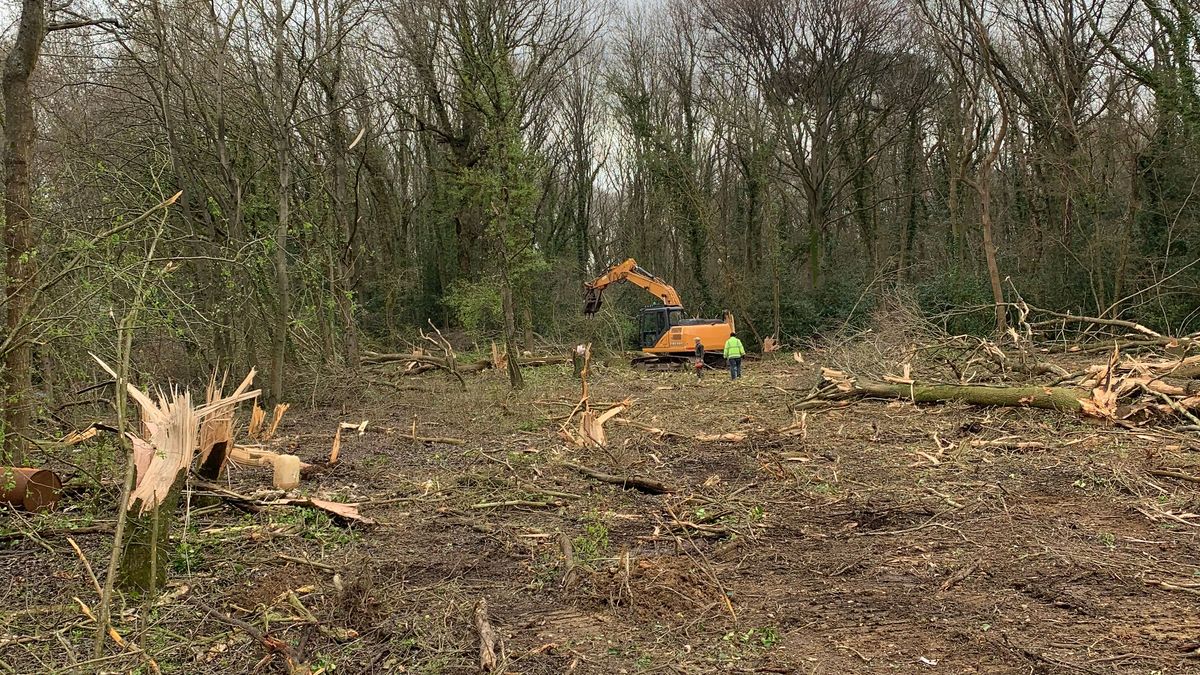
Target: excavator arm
[{"x": 631, "y": 272}]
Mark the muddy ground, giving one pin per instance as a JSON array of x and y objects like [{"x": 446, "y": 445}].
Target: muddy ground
[{"x": 882, "y": 541}]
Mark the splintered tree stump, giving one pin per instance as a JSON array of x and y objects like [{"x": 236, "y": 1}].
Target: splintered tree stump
[{"x": 146, "y": 552}]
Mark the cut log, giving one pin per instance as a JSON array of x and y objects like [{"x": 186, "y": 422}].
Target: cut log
[{"x": 1053, "y": 398}]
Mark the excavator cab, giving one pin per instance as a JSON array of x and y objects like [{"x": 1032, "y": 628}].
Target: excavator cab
[{"x": 655, "y": 322}]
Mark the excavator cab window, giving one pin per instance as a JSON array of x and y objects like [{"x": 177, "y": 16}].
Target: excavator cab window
[{"x": 655, "y": 322}]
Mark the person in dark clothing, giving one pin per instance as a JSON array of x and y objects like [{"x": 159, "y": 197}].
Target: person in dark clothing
[{"x": 699, "y": 363}]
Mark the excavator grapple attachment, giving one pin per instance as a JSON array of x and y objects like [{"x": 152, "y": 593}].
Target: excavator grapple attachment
[{"x": 592, "y": 300}]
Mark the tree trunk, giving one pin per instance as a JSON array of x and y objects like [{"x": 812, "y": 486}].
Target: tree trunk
[
  {"x": 989, "y": 251},
  {"x": 909, "y": 222},
  {"x": 510, "y": 322},
  {"x": 19, "y": 241},
  {"x": 283, "y": 157},
  {"x": 145, "y": 555},
  {"x": 1054, "y": 398},
  {"x": 344, "y": 208}
]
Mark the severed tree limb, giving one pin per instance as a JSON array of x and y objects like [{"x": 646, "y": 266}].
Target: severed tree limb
[
  {"x": 1179, "y": 475},
  {"x": 1173, "y": 404},
  {"x": 1008, "y": 444},
  {"x": 1075, "y": 318},
  {"x": 516, "y": 502},
  {"x": 1107, "y": 345},
  {"x": 642, "y": 484},
  {"x": 295, "y": 664}
]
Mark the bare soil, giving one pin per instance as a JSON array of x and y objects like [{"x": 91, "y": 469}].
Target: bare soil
[{"x": 882, "y": 541}]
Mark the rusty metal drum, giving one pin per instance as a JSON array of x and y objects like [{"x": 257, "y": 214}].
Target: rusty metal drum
[{"x": 29, "y": 489}]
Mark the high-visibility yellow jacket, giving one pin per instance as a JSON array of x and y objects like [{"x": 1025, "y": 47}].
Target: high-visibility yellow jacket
[{"x": 734, "y": 348}]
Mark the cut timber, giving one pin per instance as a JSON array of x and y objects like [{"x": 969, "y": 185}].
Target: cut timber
[
  {"x": 287, "y": 472},
  {"x": 590, "y": 430},
  {"x": 276, "y": 418},
  {"x": 1185, "y": 369},
  {"x": 1053, "y": 398},
  {"x": 337, "y": 446},
  {"x": 258, "y": 428},
  {"x": 499, "y": 358},
  {"x": 257, "y": 417},
  {"x": 361, "y": 428},
  {"x": 254, "y": 455},
  {"x": 29, "y": 488},
  {"x": 488, "y": 641},
  {"x": 720, "y": 438},
  {"x": 639, "y": 483},
  {"x": 336, "y": 509}
]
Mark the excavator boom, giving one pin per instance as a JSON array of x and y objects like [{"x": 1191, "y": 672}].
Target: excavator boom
[{"x": 628, "y": 271}]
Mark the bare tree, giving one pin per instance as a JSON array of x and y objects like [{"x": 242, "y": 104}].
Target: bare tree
[
  {"x": 814, "y": 62},
  {"x": 20, "y": 239}
]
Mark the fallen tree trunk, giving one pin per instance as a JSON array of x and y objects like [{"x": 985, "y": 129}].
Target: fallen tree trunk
[{"x": 1053, "y": 398}]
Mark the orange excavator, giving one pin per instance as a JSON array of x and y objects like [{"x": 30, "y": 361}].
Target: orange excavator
[{"x": 664, "y": 334}]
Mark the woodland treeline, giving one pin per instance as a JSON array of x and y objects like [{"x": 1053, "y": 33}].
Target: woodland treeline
[{"x": 351, "y": 170}]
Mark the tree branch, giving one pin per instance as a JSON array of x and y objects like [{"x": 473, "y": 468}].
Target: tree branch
[{"x": 84, "y": 23}]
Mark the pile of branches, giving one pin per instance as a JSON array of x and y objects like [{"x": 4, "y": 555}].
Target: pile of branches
[
  {"x": 436, "y": 353},
  {"x": 1148, "y": 378}
]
